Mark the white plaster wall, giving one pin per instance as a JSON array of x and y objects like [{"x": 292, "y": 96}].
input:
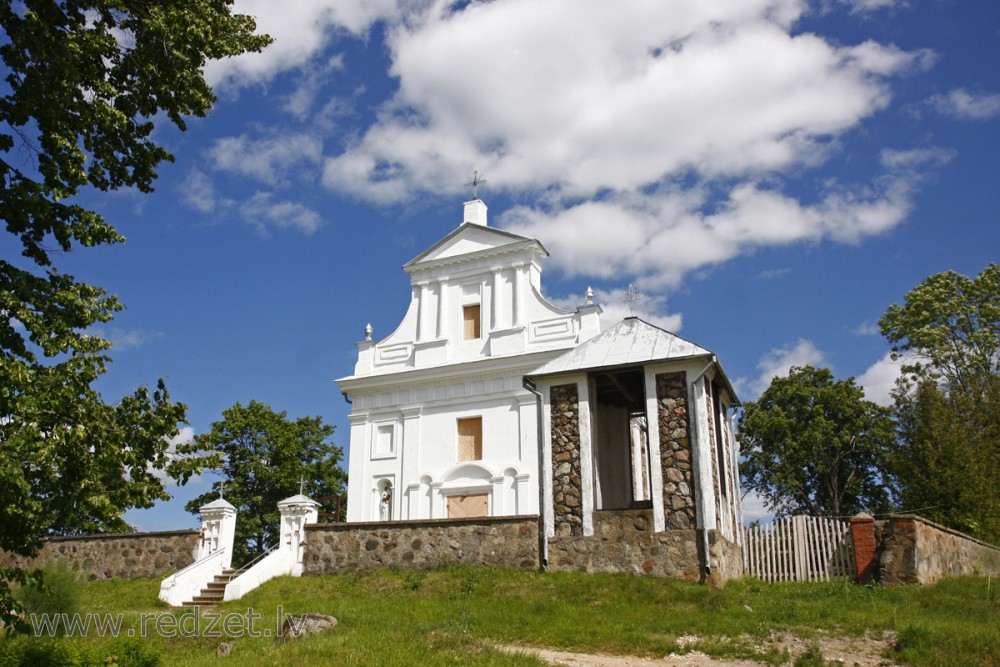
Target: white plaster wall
[{"x": 423, "y": 466}]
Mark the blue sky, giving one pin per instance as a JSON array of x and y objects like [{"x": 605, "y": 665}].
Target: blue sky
[{"x": 771, "y": 174}]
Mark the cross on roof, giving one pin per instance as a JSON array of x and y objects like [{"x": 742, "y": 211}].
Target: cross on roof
[
  {"x": 302, "y": 483},
  {"x": 222, "y": 488},
  {"x": 474, "y": 184},
  {"x": 631, "y": 296}
]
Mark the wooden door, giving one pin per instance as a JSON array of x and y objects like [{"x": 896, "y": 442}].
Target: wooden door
[{"x": 466, "y": 507}]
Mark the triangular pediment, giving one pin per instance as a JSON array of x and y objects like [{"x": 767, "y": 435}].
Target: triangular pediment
[
  {"x": 468, "y": 239},
  {"x": 631, "y": 341}
]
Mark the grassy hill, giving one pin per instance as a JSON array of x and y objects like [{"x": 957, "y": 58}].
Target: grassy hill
[{"x": 460, "y": 616}]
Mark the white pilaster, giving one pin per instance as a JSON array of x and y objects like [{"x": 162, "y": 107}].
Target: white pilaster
[
  {"x": 442, "y": 312},
  {"x": 218, "y": 530},
  {"x": 296, "y": 512},
  {"x": 655, "y": 463},
  {"x": 497, "y": 300},
  {"x": 423, "y": 304}
]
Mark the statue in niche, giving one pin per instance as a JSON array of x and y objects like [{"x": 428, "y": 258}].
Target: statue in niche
[{"x": 385, "y": 504}]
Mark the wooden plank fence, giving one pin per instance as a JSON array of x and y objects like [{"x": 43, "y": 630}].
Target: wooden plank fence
[{"x": 799, "y": 548}]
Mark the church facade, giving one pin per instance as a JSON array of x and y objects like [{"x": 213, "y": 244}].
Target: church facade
[{"x": 489, "y": 401}]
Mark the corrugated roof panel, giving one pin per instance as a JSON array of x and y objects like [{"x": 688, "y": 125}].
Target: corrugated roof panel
[{"x": 631, "y": 341}]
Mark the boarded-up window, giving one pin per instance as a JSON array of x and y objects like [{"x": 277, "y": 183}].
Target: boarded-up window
[
  {"x": 470, "y": 322},
  {"x": 470, "y": 439},
  {"x": 464, "y": 507}
]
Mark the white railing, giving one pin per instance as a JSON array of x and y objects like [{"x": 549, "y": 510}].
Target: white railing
[
  {"x": 275, "y": 564},
  {"x": 799, "y": 548},
  {"x": 182, "y": 586}
]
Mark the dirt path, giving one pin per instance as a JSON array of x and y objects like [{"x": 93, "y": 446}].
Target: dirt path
[{"x": 850, "y": 651}]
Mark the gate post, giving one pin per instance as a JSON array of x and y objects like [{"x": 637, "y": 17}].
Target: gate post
[{"x": 863, "y": 537}]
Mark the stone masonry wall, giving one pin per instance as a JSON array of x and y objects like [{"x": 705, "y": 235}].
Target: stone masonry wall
[
  {"x": 421, "y": 545},
  {"x": 914, "y": 550},
  {"x": 675, "y": 451},
  {"x": 624, "y": 541},
  {"x": 567, "y": 496},
  {"x": 127, "y": 555}
]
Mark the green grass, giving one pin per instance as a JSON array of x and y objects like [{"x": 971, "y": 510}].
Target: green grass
[{"x": 458, "y": 616}]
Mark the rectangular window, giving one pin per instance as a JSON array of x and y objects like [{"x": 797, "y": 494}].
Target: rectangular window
[
  {"x": 470, "y": 439},
  {"x": 470, "y": 322}
]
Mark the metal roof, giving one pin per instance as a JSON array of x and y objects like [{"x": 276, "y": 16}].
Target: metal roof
[{"x": 631, "y": 341}]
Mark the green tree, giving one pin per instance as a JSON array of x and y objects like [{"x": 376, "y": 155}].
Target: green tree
[
  {"x": 814, "y": 445},
  {"x": 85, "y": 83},
  {"x": 946, "y": 460},
  {"x": 263, "y": 456},
  {"x": 948, "y": 329}
]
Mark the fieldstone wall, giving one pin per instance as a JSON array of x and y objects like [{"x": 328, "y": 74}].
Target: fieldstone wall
[
  {"x": 727, "y": 558},
  {"x": 567, "y": 498},
  {"x": 624, "y": 541},
  {"x": 913, "y": 550},
  {"x": 126, "y": 555},
  {"x": 422, "y": 544},
  {"x": 675, "y": 451}
]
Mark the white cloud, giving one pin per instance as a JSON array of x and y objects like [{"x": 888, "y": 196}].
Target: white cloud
[
  {"x": 776, "y": 363},
  {"x": 598, "y": 110},
  {"x": 960, "y": 103},
  {"x": 185, "y": 436},
  {"x": 879, "y": 380},
  {"x": 198, "y": 192},
  {"x": 301, "y": 29},
  {"x": 650, "y": 307},
  {"x": 126, "y": 339},
  {"x": 263, "y": 212},
  {"x": 868, "y": 329},
  {"x": 642, "y": 235},
  {"x": 754, "y": 509},
  {"x": 588, "y": 96},
  {"x": 917, "y": 158},
  {"x": 866, "y": 6},
  {"x": 269, "y": 159}
]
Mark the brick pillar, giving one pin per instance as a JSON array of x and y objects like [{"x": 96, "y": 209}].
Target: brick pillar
[{"x": 863, "y": 537}]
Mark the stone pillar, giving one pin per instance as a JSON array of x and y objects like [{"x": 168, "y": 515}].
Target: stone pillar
[
  {"x": 218, "y": 530},
  {"x": 675, "y": 451},
  {"x": 863, "y": 537},
  {"x": 567, "y": 495},
  {"x": 296, "y": 512}
]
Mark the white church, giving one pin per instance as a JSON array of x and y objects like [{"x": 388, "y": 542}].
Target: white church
[{"x": 487, "y": 400}]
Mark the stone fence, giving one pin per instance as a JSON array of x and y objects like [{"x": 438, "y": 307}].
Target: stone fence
[
  {"x": 333, "y": 548},
  {"x": 124, "y": 555},
  {"x": 913, "y": 550},
  {"x": 624, "y": 541}
]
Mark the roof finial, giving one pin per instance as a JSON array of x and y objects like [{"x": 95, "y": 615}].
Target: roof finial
[
  {"x": 590, "y": 295},
  {"x": 474, "y": 184},
  {"x": 631, "y": 296},
  {"x": 368, "y": 332}
]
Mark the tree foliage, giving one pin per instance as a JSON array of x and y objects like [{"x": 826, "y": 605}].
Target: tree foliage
[
  {"x": 85, "y": 81},
  {"x": 263, "y": 456},
  {"x": 814, "y": 445},
  {"x": 948, "y": 329},
  {"x": 946, "y": 461}
]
